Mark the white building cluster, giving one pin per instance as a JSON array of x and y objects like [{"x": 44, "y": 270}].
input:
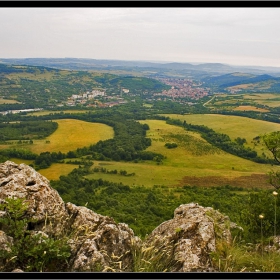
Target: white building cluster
[{"x": 88, "y": 95}]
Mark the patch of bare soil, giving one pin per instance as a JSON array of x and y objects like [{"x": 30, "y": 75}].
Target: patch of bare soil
[{"x": 253, "y": 181}]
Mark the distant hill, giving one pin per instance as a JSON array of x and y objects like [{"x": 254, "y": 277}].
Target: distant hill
[
  {"x": 243, "y": 81},
  {"x": 42, "y": 86}
]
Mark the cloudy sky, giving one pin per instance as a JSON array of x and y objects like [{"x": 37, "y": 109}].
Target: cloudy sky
[{"x": 237, "y": 36}]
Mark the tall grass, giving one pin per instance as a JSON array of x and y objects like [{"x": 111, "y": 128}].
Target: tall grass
[{"x": 239, "y": 257}]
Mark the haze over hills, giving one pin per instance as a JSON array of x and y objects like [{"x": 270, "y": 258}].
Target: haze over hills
[{"x": 104, "y": 64}]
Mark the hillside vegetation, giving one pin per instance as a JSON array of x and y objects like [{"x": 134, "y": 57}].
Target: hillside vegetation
[{"x": 39, "y": 86}]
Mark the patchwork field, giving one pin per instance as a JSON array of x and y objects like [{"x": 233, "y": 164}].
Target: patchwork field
[{"x": 269, "y": 99}]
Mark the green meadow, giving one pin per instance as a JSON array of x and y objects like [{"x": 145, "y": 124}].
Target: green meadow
[
  {"x": 193, "y": 162},
  {"x": 268, "y": 99},
  {"x": 233, "y": 126}
]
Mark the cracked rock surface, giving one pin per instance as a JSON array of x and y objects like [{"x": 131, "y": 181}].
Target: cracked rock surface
[{"x": 97, "y": 242}]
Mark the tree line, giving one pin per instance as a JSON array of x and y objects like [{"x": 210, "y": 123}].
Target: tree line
[{"x": 26, "y": 130}]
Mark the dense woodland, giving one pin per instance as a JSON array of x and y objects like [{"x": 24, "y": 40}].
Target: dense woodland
[{"x": 26, "y": 130}]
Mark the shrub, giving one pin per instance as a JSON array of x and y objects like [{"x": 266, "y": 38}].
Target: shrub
[{"x": 30, "y": 251}]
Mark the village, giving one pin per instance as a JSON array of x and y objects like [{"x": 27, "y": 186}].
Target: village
[
  {"x": 183, "y": 88},
  {"x": 92, "y": 99}
]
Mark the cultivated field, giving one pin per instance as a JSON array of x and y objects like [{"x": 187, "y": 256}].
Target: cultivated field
[
  {"x": 250, "y": 108},
  {"x": 193, "y": 162},
  {"x": 269, "y": 99}
]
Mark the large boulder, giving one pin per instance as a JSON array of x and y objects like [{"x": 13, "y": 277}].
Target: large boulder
[
  {"x": 190, "y": 237},
  {"x": 45, "y": 204},
  {"x": 97, "y": 242}
]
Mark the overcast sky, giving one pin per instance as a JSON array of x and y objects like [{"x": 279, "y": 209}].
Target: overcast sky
[{"x": 237, "y": 36}]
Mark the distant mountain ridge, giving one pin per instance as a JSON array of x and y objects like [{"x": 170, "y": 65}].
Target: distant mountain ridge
[
  {"x": 252, "y": 82},
  {"x": 94, "y": 64}
]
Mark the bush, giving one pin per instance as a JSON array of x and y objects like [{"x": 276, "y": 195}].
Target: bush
[
  {"x": 30, "y": 251},
  {"x": 171, "y": 145}
]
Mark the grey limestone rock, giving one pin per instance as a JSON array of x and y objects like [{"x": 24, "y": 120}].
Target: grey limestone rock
[{"x": 98, "y": 243}]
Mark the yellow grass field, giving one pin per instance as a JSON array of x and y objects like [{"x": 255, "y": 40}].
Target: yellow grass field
[
  {"x": 56, "y": 170},
  {"x": 185, "y": 165},
  {"x": 72, "y": 134},
  {"x": 8, "y": 101},
  {"x": 250, "y": 108},
  {"x": 193, "y": 162},
  {"x": 53, "y": 172}
]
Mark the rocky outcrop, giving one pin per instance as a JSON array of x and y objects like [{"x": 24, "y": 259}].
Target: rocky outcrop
[
  {"x": 98, "y": 243},
  {"x": 193, "y": 233}
]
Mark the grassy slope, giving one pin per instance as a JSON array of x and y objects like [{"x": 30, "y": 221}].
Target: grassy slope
[
  {"x": 192, "y": 157},
  {"x": 233, "y": 126}
]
